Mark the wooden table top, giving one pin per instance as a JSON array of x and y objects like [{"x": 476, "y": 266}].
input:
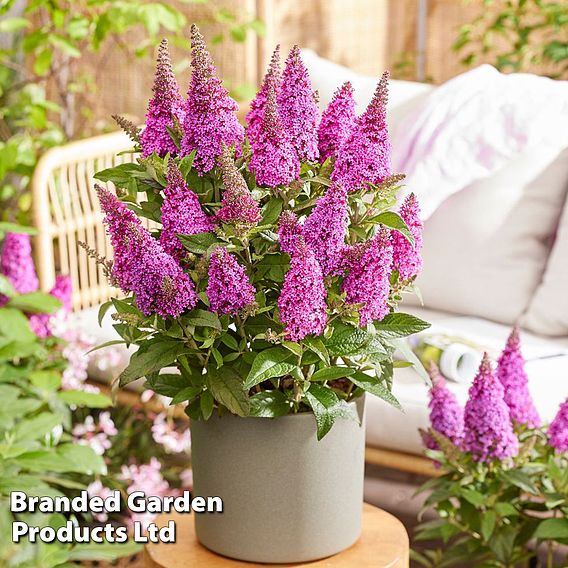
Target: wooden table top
[{"x": 383, "y": 544}]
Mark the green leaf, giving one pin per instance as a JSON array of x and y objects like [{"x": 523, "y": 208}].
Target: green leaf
[
  {"x": 36, "y": 427},
  {"x": 472, "y": 496},
  {"x": 206, "y": 404},
  {"x": 151, "y": 359},
  {"x": 269, "y": 404},
  {"x": 488, "y": 520},
  {"x": 502, "y": 543},
  {"x": 346, "y": 339},
  {"x": 327, "y": 408},
  {"x": 271, "y": 211},
  {"x": 200, "y": 243},
  {"x": 394, "y": 221},
  {"x": 13, "y": 24},
  {"x": 14, "y": 325},
  {"x": 48, "y": 381},
  {"x": 35, "y": 302},
  {"x": 399, "y": 324},
  {"x": 65, "y": 458},
  {"x": 406, "y": 351},
  {"x": 6, "y": 288},
  {"x": 6, "y": 227},
  {"x": 521, "y": 480},
  {"x": 82, "y": 398},
  {"x": 226, "y": 386},
  {"x": 203, "y": 318},
  {"x": 317, "y": 346},
  {"x": 105, "y": 552},
  {"x": 187, "y": 393},
  {"x": 274, "y": 362},
  {"x": 167, "y": 384},
  {"x": 372, "y": 386},
  {"x": 122, "y": 174},
  {"x": 331, "y": 373},
  {"x": 552, "y": 529}
]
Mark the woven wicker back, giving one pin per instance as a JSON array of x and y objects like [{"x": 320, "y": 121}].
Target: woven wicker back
[{"x": 66, "y": 211}]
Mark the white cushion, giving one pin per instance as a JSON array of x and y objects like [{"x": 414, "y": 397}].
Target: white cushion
[
  {"x": 390, "y": 428},
  {"x": 548, "y": 310},
  {"x": 486, "y": 247},
  {"x": 327, "y": 76}
]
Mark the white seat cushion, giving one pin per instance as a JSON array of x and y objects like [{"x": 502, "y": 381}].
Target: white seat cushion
[{"x": 396, "y": 430}]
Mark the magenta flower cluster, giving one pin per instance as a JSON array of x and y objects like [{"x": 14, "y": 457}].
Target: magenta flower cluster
[
  {"x": 164, "y": 110},
  {"x": 558, "y": 429},
  {"x": 446, "y": 414},
  {"x": 302, "y": 301},
  {"x": 407, "y": 258},
  {"x": 337, "y": 122},
  {"x": 499, "y": 405},
  {"x": 237, "y": 205},
  {"x": 17, "y": 265},
  {"x": 365, "y": 155},
  {"x": 142, "y": 266},
  {"x": 511, "y": 372},
  {"x": 210, "y": 120},
  {"x": 326, "y": 227},
  {"x": 181, "y": 214},
  {"x": 367, "y": 282},
  {"x": 229, "y": 289},
  {"x": 488, "y": 429}
]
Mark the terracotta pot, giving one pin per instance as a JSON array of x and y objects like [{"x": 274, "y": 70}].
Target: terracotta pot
[{"x": 286, "y": 496}]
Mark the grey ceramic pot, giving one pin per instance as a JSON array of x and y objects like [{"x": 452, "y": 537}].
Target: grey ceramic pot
[{"x": 286, "y": 496}]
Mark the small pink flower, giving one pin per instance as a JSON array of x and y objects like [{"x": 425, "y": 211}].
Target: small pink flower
[
  {"x": 164, "y": 432},
  {"x": 97, "y": 489}
]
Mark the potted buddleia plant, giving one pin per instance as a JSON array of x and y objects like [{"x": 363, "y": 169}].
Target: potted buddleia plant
[{"x": 270, "y": 285}]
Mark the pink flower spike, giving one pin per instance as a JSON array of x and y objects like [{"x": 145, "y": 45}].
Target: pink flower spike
[
  {"x": 558, "y": 429},
  {"x": 237, "y": 205},
  {"x": 302, "y": 302},
  {"x": 326, "y": 227},
  {"x": 407, "y": 258},
  {"x": 367, "y": 282},
  {"x": 446, "y": 415},
  {"x": 274, "y": 160},
  {"x": 366, "y": 153},
  {"x": 229, "y": 289},
  {"x": 289, "y": 229},
  {"x": 488, "y": 430},
  {"x": 511, "y": 373},
  {"x": 256, "y": 113},
  {"x": 142, "y": 266},
  {"x": 298, "y": 107},
  {"x": 182, "y": 214},
  {"x": 337, "y": 122},
  {"x": 165, "y": 107},
  {"x": 210, "y": 119},
  {"x": 17, "y": 264}
]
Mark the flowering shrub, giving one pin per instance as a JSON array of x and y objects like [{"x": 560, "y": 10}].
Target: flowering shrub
[
  {"x": 502, "y": 497},
  {"x": 272, "y": 279}
]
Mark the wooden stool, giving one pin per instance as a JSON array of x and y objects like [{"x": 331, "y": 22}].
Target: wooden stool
[{"x": 383, "y": 543}]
